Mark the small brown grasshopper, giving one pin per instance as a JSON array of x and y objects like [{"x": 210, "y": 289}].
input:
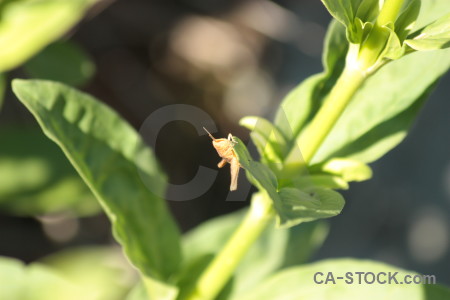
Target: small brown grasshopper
[{"x": 224, "y": 148}]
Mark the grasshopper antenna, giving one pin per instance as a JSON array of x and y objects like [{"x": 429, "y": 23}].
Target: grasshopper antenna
[{"x": 209, "y": 134}]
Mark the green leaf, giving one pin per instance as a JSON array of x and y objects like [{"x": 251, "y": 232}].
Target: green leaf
[
  {"x": 432, "y": 37},
  {"x": 37, "y": 178},
  {"x": 100, "y": 271},
  {"x": 2, "y": 88},
  {"x": 436, "y": 292},
  {"x": 368, "y": 10},
  {"x": 274, "y": 249},
  {"x": 155, "y": 289},
  {"x": 334, "y": 54},
  {"x": 62, "y": 61},
  {"x": 146, "y": 290},
  {"x": 343, "y": 10},
  {"x": 322, "y": 180},
  {"x": 358, "y": 32},
  {"x": 111, "y": 158},
  {"x": 215, "y": 231},
  {"x": 301, "y": 104},
  {"x": 347, "y": 169},
  {"x": 137, "y": 293},
  {"x": 28, "y": 26},
  {"x": 298, "y": 106},
  {"x": 192, "y": 271},
  {"x": 373, "y": 124},
  {"x": 393, "y": 49},
  {"x": 298, "y": 284},
  {"x": 363, "y": 22},
  {"x": 293, "y": 206},
  {"x": 430, "y": 11},
  {"x": 407, "y": 18},
  {"x": 258, "y": 174},
  {"x": 308, "y": 204},
  {"x": 269, "y": 141},
  {"x": 358, "y": 16},
  {"x": 34, "y": 282}
]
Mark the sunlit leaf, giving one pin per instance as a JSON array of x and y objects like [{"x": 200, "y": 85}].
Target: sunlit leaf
[
  {"x": 322, "y": 180},
  {"x": 100, "y": 272},
  {"x": 308, "y": 205},
  {"x": 301, "y": 104},
  {"x": 269, "y": 141},
  {"x": 274, "y": 249},
  {"x": 293, "y": 206},
  {"x": 373, "y": 123},
  {"x": 259, "y": 174},
  {"x": 37, "y": 178},
  {"x": 298, "y": 283},
  {"x": 28, "y": 26},
  {"x": 368, "y": 10},
  {"x": 434, "y": 36},
  {"x": 114, "y": 162},
  {"x": 35, "y": 282},
  {"x": 343, "y": 10},
  {"x": 347, "y": 169},
  {"x": 407, "y": 19}
]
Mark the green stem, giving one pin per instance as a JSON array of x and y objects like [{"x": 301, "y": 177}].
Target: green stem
[
  {"x": 336, "y": 102},
  {"x": 389, "y": 12},
  {"x": 261, "y": 211},
  {"x": 222, "y": 267},
  {"x": 378, "y": 37},
  {"x": 349, "y": 82}
]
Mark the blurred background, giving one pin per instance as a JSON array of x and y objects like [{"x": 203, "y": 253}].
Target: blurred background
[{"x": 231, "y": 59}]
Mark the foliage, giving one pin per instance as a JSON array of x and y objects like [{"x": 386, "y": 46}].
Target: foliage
[
  {"x": 325, "y": 133},
  {"x": 300, "y": 284},
  {"x": 371, "y": 125},
  {"x": 68, "y": 275},
  {"x": 26, "y": 26},
  {"x": 111, "y": 158},
  {"x": 37, "y": 178},
  {"x": 275, "y": 249}
]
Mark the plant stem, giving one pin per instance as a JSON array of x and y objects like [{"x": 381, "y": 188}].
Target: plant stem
[
  {"x": 261, "y": 211},
  {"x": 378, "y": 37},
  {"x": 349, "y": 82},
  {"x": 336, "y": 102},
  {"x": 389, "y": 12},
  {"x": 222, "y": 267}
]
